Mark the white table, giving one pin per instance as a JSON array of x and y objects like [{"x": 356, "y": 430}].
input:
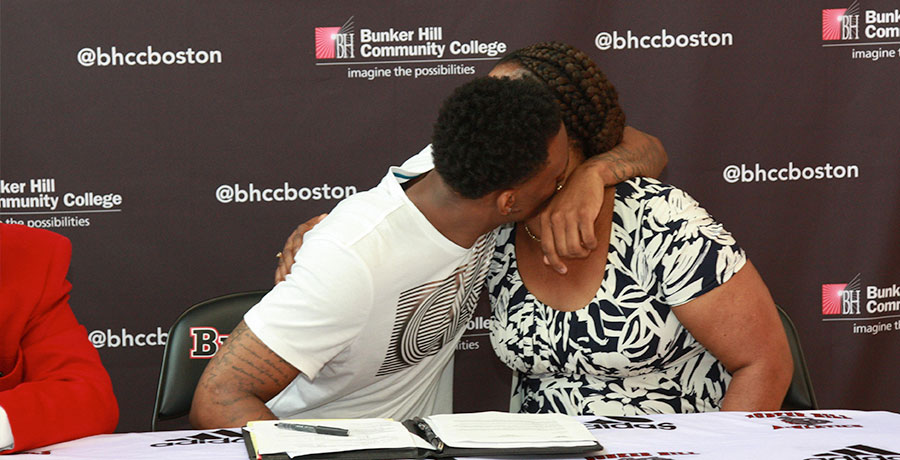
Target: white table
[{"x": 812, "y": 435}]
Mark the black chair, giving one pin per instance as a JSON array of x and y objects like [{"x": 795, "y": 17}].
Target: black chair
[
  {"x": 800, "y": 395},
  {"x": 193, "y": 340}
]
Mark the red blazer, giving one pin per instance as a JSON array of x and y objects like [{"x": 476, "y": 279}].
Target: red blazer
[{"x": 53, "y": 386}]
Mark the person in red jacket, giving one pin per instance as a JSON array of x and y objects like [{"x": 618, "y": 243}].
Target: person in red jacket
[{"x": 53, "y": 387}]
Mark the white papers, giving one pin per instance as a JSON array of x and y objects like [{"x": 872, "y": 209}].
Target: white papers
[
  {"x": 364, "y": 434},
  {"x": 460, "y": 434},
  {"x": 504, "y": 430}
]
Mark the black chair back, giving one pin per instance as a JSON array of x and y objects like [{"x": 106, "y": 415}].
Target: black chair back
[
  {"x": 800, "y": 395},
  {"x": 194, "y": 339}
]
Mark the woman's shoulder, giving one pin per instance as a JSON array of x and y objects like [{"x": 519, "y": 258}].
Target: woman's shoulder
[
  {"x": 649, "y": 193},
  {"x": 643, "y": 188},
  {"x": 666, "y": 210},
  {"x": 645, "y": 200}
]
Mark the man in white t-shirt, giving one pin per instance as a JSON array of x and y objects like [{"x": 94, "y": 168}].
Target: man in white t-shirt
[{"x": 383, "y": 287}]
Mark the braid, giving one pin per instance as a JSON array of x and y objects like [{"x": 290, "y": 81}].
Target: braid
[{"x": 589, "y": 102}]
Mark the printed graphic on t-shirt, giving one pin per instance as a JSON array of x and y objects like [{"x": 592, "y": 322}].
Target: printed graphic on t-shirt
[{"x": 431, "y": 315}]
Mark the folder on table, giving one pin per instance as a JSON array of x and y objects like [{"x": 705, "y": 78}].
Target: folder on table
[{"x": 436, "y": 436}]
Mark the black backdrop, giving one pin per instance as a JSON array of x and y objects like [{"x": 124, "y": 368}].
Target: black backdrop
[{"x": 182, "y": 108}]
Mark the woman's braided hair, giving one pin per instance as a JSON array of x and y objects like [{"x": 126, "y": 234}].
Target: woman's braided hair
[{"x": 589, "y": 102}]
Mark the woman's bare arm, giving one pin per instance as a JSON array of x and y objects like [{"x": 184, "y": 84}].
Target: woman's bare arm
[{"x": 739, "y": 324}]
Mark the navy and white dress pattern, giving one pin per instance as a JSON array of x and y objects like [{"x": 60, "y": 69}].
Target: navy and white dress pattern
[{"x": 625, "y": 353}]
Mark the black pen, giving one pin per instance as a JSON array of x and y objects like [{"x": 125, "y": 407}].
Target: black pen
[{"x": 318, "y": 429}]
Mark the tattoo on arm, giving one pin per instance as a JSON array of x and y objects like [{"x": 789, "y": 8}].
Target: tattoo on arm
[
  {"x": 252, "y": 370},
  {"x": 625, "y": 162}
]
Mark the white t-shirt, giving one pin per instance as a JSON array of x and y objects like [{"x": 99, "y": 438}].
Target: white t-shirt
[{"x": 373, "y": 308}]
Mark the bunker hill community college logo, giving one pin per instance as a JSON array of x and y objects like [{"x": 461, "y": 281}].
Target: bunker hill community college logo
[
  {"x": 845, "y": 299},
  {"x": 841, "y": 23},
  {"x": 335, "y": 42},
  {"x": 872, "y": 309},
  {"x": 421, "y": 42},
  {"x": 206, "y": 342},
  {"x": 400, "y": 50},
  {"x": 862, "y": 27},
  {"x": 841, "y": 299}
]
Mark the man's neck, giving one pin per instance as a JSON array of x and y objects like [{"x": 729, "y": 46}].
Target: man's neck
[{"x": 460, "y": 220}]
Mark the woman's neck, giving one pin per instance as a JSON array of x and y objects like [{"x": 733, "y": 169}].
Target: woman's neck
[
  {"x": 534, "y": 232},
  {"x": 584, "y": 277}
]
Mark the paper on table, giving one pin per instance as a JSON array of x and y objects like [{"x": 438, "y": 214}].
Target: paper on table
[
  {"x": 364, "y": 434},
  {"x": 505, "y": 430}
]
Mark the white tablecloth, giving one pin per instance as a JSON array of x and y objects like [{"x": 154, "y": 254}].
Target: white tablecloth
[{"x": 813, "y": 435}]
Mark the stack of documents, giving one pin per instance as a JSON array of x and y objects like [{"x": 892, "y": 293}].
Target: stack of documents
[{"x": 437, "y": 436}]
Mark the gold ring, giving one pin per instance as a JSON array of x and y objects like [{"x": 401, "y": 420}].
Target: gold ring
[{"x": 278, "y": 256}]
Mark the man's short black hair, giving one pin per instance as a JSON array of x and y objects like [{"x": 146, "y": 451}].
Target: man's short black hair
[{"x": 493, "y": 134}]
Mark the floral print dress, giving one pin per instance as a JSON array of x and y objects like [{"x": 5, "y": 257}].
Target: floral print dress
[{"x": 625, "y": 353}]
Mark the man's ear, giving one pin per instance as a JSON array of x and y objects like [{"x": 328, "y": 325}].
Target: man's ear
[{"x": 506, "y": 202}]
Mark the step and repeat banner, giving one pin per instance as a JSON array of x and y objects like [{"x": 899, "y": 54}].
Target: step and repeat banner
[{"x": 177, "y": 144}]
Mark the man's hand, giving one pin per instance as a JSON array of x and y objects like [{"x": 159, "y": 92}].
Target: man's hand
[
  {"x": 567, "y": 223},
  {"x": 293, "y": 243}
]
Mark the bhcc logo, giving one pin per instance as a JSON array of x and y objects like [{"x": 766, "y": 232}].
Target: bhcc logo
[
  {"x": 841, "y": 23},
  {"x": 206, "y": 342},
  {"x": 335, "y": 42},
  {"x": 841, "y": 299}
]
